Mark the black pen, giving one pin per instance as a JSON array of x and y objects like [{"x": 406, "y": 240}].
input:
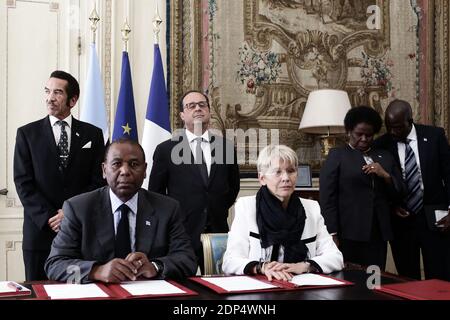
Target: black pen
[{"x": 15, "y": 286}]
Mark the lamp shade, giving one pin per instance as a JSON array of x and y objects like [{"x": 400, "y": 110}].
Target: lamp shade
[{"x": 325, "y": 112}]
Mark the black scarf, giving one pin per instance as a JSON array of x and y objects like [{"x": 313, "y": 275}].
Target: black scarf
[{"x": 281, "y": 227}]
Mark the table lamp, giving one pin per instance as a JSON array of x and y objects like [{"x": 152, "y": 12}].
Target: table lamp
[{"x": 324, "y": 115}]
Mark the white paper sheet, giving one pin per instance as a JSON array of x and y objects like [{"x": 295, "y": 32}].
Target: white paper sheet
[
  {"x": 4, "y": 288},
  {"x": 440, "y": 214},
  {"x": 138, "y": 288},
  {"x": 238, "y": 283},
  {"x": 74, "y": 291},
  {"x": 311, "y": 279}
]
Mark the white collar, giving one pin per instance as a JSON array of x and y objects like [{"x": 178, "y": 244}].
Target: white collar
[
  {"x": 191, "y": 137},
  {"x": 412, "y": 136},
  {"x": 116, "y": 202},
  {"x": 68, "y": 120}
]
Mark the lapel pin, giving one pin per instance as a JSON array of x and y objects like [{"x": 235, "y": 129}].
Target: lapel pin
[
  {"x": 380, "y": 156},
  {"x": 147, "y": 223},
  {"x": 425, "y": 139},
  {"x": 77, "y": 134}
]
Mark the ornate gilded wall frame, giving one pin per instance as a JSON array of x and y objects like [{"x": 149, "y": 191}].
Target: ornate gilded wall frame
[
  {"x": 185, "y": 55},
  {"x": 440, "y": 70}
]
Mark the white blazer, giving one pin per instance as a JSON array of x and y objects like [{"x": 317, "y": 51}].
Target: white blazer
[{"x": 244, "y": 245}]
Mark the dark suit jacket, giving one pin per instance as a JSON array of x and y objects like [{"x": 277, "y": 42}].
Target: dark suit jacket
[
  {"x": 87, "y": 235},
  {"x": 41, "y": 187},
  {"x": 201, "y": 204},
  {"x": 349, "y": 198},
  {"x": 434, "y": 155}
]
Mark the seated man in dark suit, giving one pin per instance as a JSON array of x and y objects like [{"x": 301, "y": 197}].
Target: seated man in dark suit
[{"x": 121, "y": 232}]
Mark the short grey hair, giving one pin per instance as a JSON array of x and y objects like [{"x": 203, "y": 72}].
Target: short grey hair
[{"x": 272, "y": 152}]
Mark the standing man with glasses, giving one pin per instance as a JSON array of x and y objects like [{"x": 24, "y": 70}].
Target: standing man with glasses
[
  {"x": 55, "y": 158},
  {"x": 422, "y": 152},
  {"x": 199, "y": 170}
]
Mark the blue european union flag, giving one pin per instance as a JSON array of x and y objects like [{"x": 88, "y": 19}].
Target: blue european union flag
[{"x": 125, "y": 121}]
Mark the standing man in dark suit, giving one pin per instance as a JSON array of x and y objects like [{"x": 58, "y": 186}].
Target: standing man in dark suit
[
  {"x": 423, "y": 154},
  {"x": 199, "y": 170},
  {"x": 121, "y": 232},
  {"x": 55, "y": 158}
]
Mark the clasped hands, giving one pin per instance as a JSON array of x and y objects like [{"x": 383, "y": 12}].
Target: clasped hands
[
  {"x": 135, "y": 265},
  {"x": 283, "y": 271}
]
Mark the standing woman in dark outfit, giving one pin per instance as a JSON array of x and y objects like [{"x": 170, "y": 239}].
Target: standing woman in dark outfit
[{"x": 358, "y": 183}]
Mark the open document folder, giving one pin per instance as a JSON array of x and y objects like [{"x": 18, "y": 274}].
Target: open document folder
[
  {"x": 124, "y": 290},
  {"x": 12, "y": 289},
  {"x": 432, "y": 289},
  {"x": 240, "y": 284}
]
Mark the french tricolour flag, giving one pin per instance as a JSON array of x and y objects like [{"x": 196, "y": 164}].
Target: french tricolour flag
[{"x": 157, "y": 123}]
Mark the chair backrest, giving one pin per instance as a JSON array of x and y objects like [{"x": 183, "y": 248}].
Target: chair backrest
[{"x": 214, "y": 245}]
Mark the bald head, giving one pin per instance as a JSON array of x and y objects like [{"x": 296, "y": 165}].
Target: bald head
[
  {"x": 398, "y": 119},
  {"x": 399, "y": 108}
]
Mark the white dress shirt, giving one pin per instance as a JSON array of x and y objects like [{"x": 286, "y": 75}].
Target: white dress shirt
[
  {"x": 132, "y": 204},
  {"x": 206, "y": 147},
  {"x": 57, "y": 129}
]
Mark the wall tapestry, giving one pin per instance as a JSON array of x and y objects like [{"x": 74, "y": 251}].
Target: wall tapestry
[{"x": 258, "y": 60}]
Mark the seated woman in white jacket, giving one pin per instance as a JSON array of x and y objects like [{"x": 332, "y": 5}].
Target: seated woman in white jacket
[{"x": 275, "y": 233}]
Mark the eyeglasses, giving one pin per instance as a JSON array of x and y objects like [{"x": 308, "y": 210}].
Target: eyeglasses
[
  {"x": 278, "y": 172},
  {"x": 191, "y": 105}
]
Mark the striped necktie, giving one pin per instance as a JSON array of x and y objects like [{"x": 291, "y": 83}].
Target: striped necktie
[{"x": 414, "y": 200}]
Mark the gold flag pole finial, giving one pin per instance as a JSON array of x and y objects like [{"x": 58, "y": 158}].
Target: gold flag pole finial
[
  {"x": 125, "y": 34},
  {"x": 156, "y": 23},
  {"x": 94, "y": 18}
]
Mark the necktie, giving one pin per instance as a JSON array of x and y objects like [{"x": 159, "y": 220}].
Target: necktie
[
  {"x": 275, "y": 252},
  {"x": 414, "y": 200},
  {"x": 123, "y": 243},
  {"x": 200, "y": 160},
  {"x": 63, "y": 146}
]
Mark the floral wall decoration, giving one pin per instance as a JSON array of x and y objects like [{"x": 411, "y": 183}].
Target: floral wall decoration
[
  {"x": 377, "y": 72},
  {"x": 257, "y": 68}
]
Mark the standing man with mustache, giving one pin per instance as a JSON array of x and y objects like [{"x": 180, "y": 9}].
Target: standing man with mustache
[
  {"x": 55, "y": 158},
  {"x": 199, "y": 169}
]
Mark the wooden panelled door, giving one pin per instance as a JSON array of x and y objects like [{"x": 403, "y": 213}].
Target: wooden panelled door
[{"x": 36, "y": 37}]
